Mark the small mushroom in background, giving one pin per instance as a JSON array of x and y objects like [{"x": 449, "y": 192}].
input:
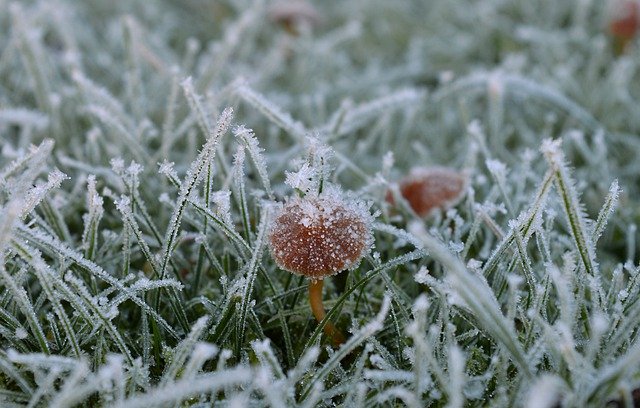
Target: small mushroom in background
[
  {"x": 320, "y": 236},
  {"x": 429, "y": 188},
  {"x": 294, "y": 15},
  {"x": 624, "y": 23}
]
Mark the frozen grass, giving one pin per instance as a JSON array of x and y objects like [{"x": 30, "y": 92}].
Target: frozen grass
[{"x": 144, "y": 144}]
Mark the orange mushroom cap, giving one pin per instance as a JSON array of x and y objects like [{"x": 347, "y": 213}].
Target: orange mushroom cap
[
  {"x": 427, "y": 189},
  {"x": 320, "y": 235},
  {"x": 625, "y": 21}
]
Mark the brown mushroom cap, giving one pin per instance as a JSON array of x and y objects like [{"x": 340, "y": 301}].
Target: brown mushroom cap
[
  {"x": 320, "y": 236},
  {"x": 293, "y": 12},
  {"x": 625, "y": 19},
  {"x": 426, "y": 189}
]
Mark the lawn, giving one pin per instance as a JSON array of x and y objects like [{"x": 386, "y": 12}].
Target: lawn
[{"x": 246, "y": 203}]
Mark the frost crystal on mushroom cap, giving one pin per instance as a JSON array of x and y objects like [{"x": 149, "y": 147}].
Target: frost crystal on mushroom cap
[
  {"x": 426, "y": 189},
  {"x": 320, "y": 235}
]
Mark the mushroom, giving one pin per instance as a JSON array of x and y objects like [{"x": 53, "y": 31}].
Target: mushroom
[
  {"x": 294, "y": 14},
  {"x": 624, "y": 23},
  {"x": 318, "y": 236},
  {"x": 429, "y": 188}
]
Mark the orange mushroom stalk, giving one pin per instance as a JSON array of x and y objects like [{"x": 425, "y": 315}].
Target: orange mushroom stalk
[{"x": 315, "y": 300}]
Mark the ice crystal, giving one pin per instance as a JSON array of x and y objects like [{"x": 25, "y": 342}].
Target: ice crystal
[
  {"x": 302, "y": 180},
  {"x": 422, "y": 275}
]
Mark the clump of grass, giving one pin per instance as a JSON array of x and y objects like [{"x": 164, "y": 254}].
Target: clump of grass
[{"x": 144, "y": 145}]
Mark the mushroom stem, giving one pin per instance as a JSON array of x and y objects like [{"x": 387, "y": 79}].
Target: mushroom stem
[{"x": 315, "y": 299}]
